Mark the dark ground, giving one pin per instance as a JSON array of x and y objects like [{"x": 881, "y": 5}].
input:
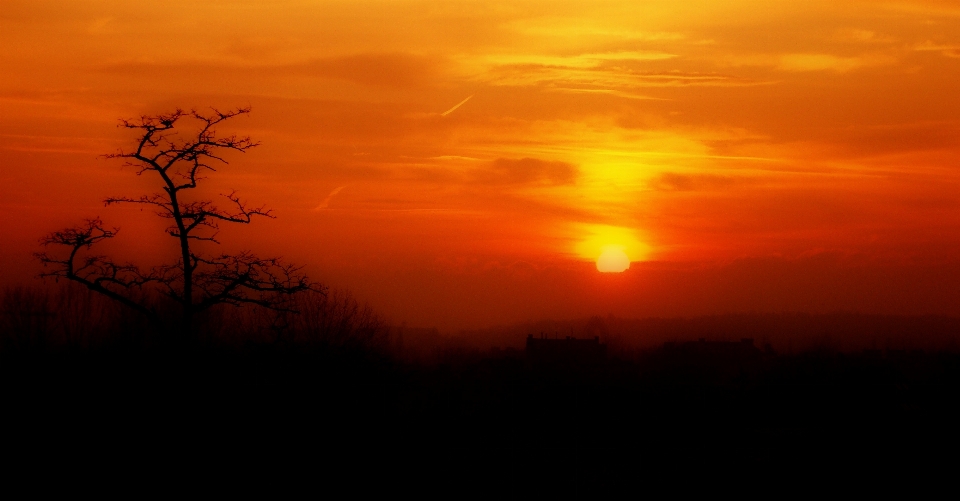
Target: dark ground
[{"x": 483, "y": 418}]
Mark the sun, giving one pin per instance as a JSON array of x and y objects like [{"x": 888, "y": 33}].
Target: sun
[
  {"x": 613, "y": 247},
  {"x": 613, "y": 260}
]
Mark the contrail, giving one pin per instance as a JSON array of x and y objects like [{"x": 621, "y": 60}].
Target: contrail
[
  {"x": 326, "y": 201},
  {"x": 445, "y": 113}
]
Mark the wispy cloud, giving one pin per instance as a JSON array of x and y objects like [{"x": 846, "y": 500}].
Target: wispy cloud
[
  {"x": 948, "y": 50},
  {"x": 672, "y": 181},
  {"x": 610, "y": 92},
  {"x": 390, "y": 70},
  {"x": 326, "y": 201},
  {"x": 830, "y": 62},
  {"x": 609, "y": 78},
  {"x": 862, "y": 36},
  {"x": 526, "y": 171},
  {"x": 799, "y": 62},
  {"x": 589, "y": 60}
]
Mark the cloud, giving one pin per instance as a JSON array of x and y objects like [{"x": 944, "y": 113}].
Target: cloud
[
  {"x": 326, "y": 201},
  {"x": 936, "y": 8},
  {"x": 53, "y": 143},
  {"x": 899, "y": 138},
  {"x": 607, "y": 77},
  {"x": 672, "y": 181},
  {"x": 615, "y": 72},
  {"x": 946, "y": 50},
  {"x": 609, "y": 92},
  {"x": 686, "y": 79},
  {"x": 809, "y": 61},
  {"x": 861, "y": 36},
  {"x": 829, "y": 62},
  {"x": 385, "y": 70},
  {"x": 526, "y": 171},
  {"x": 590, "y": 60},
  {"x": 389, "y": 70}
]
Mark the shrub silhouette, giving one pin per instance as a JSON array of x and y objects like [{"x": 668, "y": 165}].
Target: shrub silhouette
[{"x": 26, "y": 318}]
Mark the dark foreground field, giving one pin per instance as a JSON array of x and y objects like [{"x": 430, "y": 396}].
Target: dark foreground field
[
  {"x": 480, "y": 426},
  {"x": 464, "y": 415},
  {"x": 660, "y": 408}
]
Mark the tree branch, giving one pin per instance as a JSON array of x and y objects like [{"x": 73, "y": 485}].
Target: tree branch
[
  {"x": 97, "y": 273},
  {"x": 246, "y": 278}
]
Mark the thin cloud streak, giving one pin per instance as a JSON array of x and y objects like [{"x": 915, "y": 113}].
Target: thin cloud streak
[
  {"x": 451, "y": 110},
  {"x": 326, "y": 201}
]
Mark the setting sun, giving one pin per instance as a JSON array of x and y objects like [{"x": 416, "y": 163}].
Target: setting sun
[{"x": 613, "y": 260}]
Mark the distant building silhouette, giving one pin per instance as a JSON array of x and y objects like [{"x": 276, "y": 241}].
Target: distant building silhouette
[{"x": 568, "y": 350}]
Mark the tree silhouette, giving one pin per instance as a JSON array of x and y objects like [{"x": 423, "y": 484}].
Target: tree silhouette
[{"x": 196, "y": 281}]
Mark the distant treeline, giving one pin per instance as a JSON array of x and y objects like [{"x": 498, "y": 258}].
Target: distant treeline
[
  {"x": 785, "y": 333},
  {"x": 68, "y": 317}
]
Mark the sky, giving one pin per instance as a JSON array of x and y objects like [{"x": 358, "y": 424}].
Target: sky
[{"x": 465, "y": 164}]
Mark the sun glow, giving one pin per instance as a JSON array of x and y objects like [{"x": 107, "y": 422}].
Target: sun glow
[{"x": 613, "y": 247}]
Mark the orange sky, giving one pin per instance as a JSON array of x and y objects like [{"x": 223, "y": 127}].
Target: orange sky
[{"x": 747, "y": 156}]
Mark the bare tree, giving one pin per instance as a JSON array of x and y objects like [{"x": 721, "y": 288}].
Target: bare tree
[{"x": 196, "y": 281}]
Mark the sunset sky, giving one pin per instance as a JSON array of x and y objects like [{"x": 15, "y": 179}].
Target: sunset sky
[{"x": 464, "y": 164}]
